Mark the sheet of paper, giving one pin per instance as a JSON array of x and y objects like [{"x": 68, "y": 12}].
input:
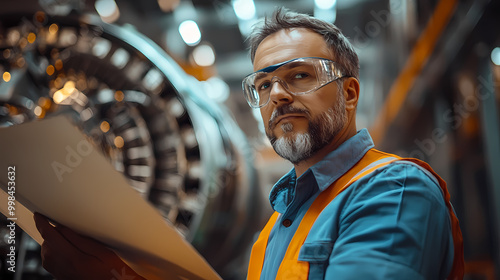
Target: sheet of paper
[{"x": 61, "y": 175}]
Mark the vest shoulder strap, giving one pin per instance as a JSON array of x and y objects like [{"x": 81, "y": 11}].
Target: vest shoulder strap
[
  {"x": 259, "y": 249},
  {"x": 370, "y": 162}
]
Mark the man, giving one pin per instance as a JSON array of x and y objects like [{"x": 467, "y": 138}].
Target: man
[{"x": 346, "y": 210}]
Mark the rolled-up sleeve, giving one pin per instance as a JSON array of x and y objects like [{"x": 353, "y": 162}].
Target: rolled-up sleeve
[{"x": 394, "y": 224}]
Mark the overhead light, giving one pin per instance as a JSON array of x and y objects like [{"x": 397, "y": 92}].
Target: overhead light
[
  {"x": 325, "y": 10},
  {"x": 495, "y": 56},
  {"x": 247, "y": 15},
  {"x": 204, "y": 55},
  {"x": 244, "y": 9},
  {"x": 107, "y": 10},
  {"x": 190, "y": 32},
  {"x": 325, "y": 4}
]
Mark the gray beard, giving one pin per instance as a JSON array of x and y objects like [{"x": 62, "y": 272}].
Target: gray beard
[
  {"x": 298, "y": 147},
  {"x": 294, "y": 150}
]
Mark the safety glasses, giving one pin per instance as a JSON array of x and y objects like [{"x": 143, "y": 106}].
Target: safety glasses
[{"x": 297, "y": 76}]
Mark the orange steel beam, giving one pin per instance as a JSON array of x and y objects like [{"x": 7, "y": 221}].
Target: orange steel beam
[{"x": 414, "y": 65}]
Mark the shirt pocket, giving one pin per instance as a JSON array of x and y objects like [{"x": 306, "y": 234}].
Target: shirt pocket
[{"x": 317, "y": 254}]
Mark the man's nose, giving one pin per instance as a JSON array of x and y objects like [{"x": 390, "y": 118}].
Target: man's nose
[{"x": 279, "y": 94}]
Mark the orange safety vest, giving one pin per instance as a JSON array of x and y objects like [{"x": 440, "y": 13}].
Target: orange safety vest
[{"x": 370, "y": 162}]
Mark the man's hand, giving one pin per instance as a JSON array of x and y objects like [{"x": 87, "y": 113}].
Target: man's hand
[{"x": 68, "y": 255}]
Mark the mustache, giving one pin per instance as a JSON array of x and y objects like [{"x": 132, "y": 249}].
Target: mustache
[{"x": 283, "y": 110}]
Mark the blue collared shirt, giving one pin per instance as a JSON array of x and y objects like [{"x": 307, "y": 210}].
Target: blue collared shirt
[{"x": 391, "y": 224}]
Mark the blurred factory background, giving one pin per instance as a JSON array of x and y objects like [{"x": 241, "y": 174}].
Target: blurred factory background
[{"x": 157, "y": 85}]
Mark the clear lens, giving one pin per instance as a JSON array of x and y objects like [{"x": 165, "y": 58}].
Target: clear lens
[{"x": 297, "y": 76}]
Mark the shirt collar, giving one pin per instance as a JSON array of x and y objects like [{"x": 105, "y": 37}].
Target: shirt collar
[
  {"x": 340, "y": 160},
  {"x": 325, "y": 172}
]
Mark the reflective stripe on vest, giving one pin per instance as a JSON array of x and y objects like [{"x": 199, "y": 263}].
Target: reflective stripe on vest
[{"x": 370, "y": 162}]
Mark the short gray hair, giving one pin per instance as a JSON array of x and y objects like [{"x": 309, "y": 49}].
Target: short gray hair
[{"x": 283, "y": 18}]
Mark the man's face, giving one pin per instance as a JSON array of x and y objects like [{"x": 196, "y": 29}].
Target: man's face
[{"x": 299, "y": 125}]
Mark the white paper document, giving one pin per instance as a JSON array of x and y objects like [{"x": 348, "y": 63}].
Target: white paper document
[{"x": 59, "y": 174}]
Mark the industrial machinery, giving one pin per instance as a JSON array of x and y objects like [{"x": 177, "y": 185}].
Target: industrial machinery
[{"x": 177, "y": 148}]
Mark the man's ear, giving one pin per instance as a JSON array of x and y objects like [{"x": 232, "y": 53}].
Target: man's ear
[{"x": 351, "y": 93}]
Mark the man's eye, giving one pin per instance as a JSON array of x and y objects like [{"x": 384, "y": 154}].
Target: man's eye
[
  {"x": 264, "y": 85},
  {"x": 300, "y": 76}
]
